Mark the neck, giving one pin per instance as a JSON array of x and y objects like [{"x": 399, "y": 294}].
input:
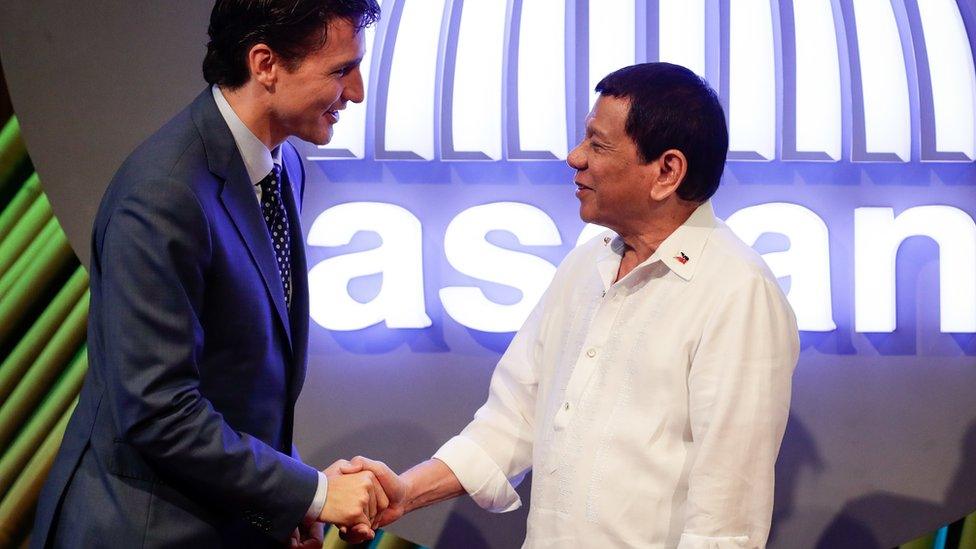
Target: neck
[{"x": 251, "y": 106}]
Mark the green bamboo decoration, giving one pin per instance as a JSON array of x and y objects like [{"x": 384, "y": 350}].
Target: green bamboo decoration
[
  {"x": 26, "y": 259},
  {"x": 34, "y": 385},
  {"x": 25, "y": 233},
  {"x": 45, "y": 417},
  {"x": 40, "y": 333},
  {"x": 17, "y": 506},
  {"x": 12, "y": 151},
  {"x": 17, "y": 208},
  {"x": 18, "y": 294}
]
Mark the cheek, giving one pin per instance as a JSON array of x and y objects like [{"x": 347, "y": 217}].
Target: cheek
[
  {"x": 295, "y": 104},
  {"x": 330, "y": 93},
  {"x": 607, "y": 178}
]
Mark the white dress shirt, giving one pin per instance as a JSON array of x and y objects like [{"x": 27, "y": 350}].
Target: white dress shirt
[
  {"x": 650, "y": 409},
  {"x": 259, "y": 161}
]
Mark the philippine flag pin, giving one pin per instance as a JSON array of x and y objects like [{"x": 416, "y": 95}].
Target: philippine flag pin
[{"x": 682, "y": 258}]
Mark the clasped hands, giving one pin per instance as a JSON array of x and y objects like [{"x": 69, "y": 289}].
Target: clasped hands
[{"x": 363, "y": 495}]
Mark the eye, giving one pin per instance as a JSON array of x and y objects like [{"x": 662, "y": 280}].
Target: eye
[{"x": 344, "y": 70}]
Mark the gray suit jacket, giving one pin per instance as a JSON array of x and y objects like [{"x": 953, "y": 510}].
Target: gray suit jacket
[{"x": 182, "y": 436}]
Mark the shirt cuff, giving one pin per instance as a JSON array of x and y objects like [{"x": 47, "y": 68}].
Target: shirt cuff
[
  {"x": 695, "y": 541},
  {"x": 479, "y": 475},
  {"x": 318, "y": 502}
]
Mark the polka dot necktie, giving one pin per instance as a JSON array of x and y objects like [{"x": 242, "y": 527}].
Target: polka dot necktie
[{"x": 276, "y": 218}]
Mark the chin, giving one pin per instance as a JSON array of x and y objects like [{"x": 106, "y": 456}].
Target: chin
[{"x": 320, "y": 138}]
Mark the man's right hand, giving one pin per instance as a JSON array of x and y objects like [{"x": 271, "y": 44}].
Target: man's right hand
[
  {"x": 424, "y": 484},
  {"x": 393, "y": 486},
  {"x": 353, "y": 499}
]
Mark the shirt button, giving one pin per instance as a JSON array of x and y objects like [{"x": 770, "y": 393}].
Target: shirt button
[
  {"x": 566, "y": 405},
  {"x": 591, "y": 352}
]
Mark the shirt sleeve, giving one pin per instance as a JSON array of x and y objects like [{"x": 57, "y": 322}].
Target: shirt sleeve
[
  {"x": 739, "y": 399},
  {"x": 492, "y": 454},
  {"x": 321, "y": 491},
  {"x": 318, "y": 501}
]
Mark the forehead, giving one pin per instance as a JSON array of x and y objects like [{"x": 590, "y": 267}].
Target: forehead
[{"x": 609, "y": 116}]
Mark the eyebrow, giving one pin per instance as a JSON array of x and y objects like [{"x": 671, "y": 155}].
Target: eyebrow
[
  {"x": 595, "y": 132},
  {"x": 349, "y": 64}
]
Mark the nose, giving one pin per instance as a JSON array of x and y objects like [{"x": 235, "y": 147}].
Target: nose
[
  {"x": 576, "y": 159},
  {"x": 354, "y": 90}
]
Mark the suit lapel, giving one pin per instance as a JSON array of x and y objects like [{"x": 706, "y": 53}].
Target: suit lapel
[
  {"x": 237, "y": 197},
  {"x": 293, "y": 183}
]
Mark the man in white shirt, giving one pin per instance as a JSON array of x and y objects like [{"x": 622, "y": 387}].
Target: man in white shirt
[{"x": 649, "y": 389}]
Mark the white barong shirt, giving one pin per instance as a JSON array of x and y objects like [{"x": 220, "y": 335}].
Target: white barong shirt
[{"x": 650, "y": 409}]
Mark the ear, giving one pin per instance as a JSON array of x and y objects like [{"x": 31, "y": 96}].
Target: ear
[
  {"x": 263, "y": 65},
  {"x": 672, "y": 166}
]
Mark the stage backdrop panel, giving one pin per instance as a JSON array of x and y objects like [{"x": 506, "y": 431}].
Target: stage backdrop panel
[{"x": 438, "y": 214}]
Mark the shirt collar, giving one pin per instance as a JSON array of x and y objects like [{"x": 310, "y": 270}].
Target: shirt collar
[
  {"x": 258, "y": 160},
  {"x": 680, "y": 251}
]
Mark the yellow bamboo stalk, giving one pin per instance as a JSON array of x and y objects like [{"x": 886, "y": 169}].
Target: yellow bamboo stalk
[
  {"x": 18, "y": 505},
  {"x": 40, "y": 333},
  {"x": 27, "y": 257},
  {"x": 42, "y": 421},
  {"x": 34, "y": 385},
  {"x": 386, "y": 540},
  {"x": 53, "y": 257},
  {"x": 924, "y": 542},
  {"x": 967, "y": 539}
]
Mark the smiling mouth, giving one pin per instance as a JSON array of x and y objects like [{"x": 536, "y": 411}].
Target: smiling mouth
[{"x": 580, "y": 186}]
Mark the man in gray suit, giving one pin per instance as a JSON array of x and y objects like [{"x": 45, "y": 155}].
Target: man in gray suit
[{"x": 198, "y": 328}]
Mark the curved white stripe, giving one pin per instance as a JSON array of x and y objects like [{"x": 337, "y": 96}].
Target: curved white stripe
[
  {"x": 542, "y": 77},
  {"x": 476, "y": 115},
  {"x": 818, "y": 106},
  {"x": 887, "y": 114},
  {"x": 752, "y": 78},
  {"x": 953, "y": 76},
  {"x": 682, "y": 33},
  {"x": 409, "y": 120},
  {"x": 612, "y": 39},
  {"x": 350, "y": 132}
]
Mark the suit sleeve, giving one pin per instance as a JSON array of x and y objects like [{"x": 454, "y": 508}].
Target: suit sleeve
[{"x": 154, "y": 256}]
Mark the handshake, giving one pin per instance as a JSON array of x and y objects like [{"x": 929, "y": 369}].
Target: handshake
[{"x": 363, "y": 495}]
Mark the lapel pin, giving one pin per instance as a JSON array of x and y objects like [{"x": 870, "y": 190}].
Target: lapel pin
[{"x": 682, "y": 258}]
